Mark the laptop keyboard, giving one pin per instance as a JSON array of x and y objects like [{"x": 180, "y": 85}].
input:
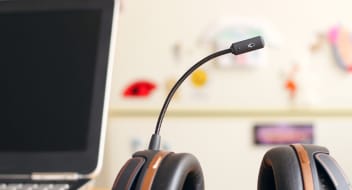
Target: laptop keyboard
[{"x": 30, "y": 186}]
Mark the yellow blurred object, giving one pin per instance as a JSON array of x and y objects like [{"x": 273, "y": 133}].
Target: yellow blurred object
[{"x": 199, "y": 78}]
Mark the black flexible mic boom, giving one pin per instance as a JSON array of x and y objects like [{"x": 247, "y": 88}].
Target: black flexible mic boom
[{"x": 236, "y": 48}]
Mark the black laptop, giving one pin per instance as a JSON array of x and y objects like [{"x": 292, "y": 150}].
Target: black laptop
[{"x": 54, "y": 80}]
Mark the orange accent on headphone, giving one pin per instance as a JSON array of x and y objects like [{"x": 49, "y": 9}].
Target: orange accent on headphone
[
  {"x": 152, "y": 169},
  {"x": 306, "y": 170}
]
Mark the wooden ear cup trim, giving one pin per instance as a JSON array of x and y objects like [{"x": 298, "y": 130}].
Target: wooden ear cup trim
[
  {"x": 304, "y": 162},
  {"x": 152, "y": 169}
]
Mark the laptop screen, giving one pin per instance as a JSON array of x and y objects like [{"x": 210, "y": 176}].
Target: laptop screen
[
  {"x": 47, "y": 71},
  {"x": 53, "y": 77}
]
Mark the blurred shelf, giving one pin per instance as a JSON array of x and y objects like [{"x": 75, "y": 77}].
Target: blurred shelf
[{"x": 233, "y": 113}]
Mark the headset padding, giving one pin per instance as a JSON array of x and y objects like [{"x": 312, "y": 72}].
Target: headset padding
[
  {"x": 280, "y": 169},
  {"x": 333, "y": 173},
  {"x": 179, "y": 172},
  {"x": 128, "y": 174}
]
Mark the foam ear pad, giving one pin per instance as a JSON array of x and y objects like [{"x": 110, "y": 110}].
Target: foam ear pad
[
  {"x": 128, "y": 174},
  {"x": 330, "y": 173},
  {"x": 179, "y": 172},
  {"x": 280, "y": 169}
]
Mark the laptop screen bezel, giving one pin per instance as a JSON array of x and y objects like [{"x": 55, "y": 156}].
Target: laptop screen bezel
[{"x": 83, "y": 162}]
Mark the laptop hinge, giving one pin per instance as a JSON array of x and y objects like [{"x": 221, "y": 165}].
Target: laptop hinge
[
  {"x": 56, "y": 176},
  {"x": 15, "y": 176}
]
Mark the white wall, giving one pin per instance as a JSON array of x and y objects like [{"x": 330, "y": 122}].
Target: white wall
[
  {"x": 223, "y": 144},
  {"x": 149, "y": 29}
]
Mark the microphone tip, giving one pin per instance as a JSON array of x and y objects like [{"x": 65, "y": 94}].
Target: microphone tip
[{"x": 248, "y": 45}]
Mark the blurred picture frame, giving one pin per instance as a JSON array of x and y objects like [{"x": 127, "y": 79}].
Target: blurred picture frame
[{"x": 283, "y": 133}]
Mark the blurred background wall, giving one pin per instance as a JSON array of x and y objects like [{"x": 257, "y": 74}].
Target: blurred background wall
[{"x": 301, "y": 78}]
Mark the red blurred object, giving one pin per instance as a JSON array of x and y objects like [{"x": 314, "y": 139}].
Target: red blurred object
[
  {"x": 139, "y": 89},
  {"x": 291, "y": 87}
]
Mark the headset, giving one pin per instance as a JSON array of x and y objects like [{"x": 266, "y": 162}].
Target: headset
[{"x": 290, "y": 167}]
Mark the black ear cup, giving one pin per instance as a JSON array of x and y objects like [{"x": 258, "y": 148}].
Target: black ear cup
[
  {"x": 179, "y": 172},
  {"x": 128, "y": 174},
  {"x": 139, "y": 171},
  {"x": 330, "y": 173},
  {"x": 301, "y": 167},
  {"x": 280, "y": 170},
  {"x": 294, "y": 167},
  {"x": 158, "y": 170}
]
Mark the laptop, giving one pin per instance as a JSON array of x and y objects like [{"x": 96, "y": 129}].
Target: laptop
[{"x": 54, "y": 78}]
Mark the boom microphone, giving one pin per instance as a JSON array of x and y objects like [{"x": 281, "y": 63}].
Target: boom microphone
[{"x": 236, "y": 48}]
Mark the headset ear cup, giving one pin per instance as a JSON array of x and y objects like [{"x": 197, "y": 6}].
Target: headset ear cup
[
  {"x": 179, "y": 172},
  {"x": 128, "y": 174},
  {"x": 280, "y": 169},
  {"x": 331, "y": 175}
]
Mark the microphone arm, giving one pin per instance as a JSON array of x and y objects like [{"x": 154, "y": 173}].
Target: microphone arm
[{"x": 236, "y": 48}]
